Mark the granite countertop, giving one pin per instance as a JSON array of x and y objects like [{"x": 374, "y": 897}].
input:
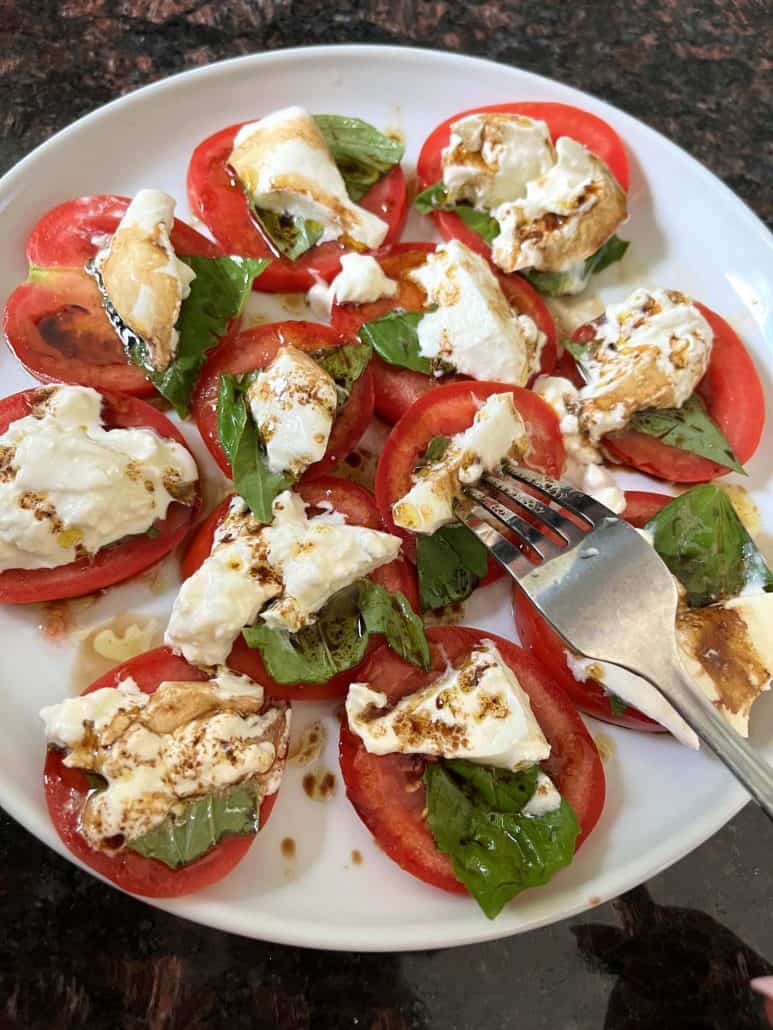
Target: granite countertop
[{"x": 675, "y": 954}]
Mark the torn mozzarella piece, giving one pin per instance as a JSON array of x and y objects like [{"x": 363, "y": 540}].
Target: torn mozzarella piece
[
  {"x": 497, "y": 432},
  {"x": 565, "y": 216},
  {"x": 296, "y": 562},
  {"x": 143, "y": 278},
  {"x": 186, "y": 740},
  {"x": 727, "y": 650},
  {"x": 284, "y": 165},
  {"x": 544, "y": 800},
  {"x": 583, "y": 464},
  {"x": 478, "y": 711},
  {"x": 651, "y": 351},
  {"x": 361, "y": 281},
  {"x": 492, "y": 156},
  {"x": 293, "y": 403},
  {"x": 69, "y": 486},
  {"x": 474, "y": 328}
]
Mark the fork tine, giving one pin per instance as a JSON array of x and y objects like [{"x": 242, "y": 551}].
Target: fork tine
[
  {"x": 530, "y": 535},
  {"x": 563, "y": 527},
  {"x": 504, "y": 550},
  {"x": 579, "y": 504}
]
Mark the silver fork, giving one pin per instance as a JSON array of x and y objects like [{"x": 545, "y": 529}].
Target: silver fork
[{"x": 606, "y": 592}]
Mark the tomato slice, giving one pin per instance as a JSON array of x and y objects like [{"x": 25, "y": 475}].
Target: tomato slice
[
  {"x": 445, "y": 411},
  {"x": 55, "y": 323},
  {"x": 397, "y": 388},
  {"x": 732, "y": 392},
  {"x": 71, "y": 233},
  {"x": 219, "y": 201},
  {"x": 118, "y": 561},
  {"x": 360, "y": 509},
  {"x": 257, "y": 348},
  {"x": 387, "y": 791},
  {"x": 66, "y": 790},
  {"x": 540, "y": 639},
  {"x": 561, "y": 120}
]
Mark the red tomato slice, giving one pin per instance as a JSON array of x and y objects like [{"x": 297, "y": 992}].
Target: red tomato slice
[
  {"x": 257, "y": 348},
  {"x": 55, "y": 323},
  {"x": 387, "y": 791},
  {"x": 118, "y": 561},
  {"x": 397, "y": 388},
  {"x": 445, "y": 411},
  {"x": 220, "y": 202},
  {"x": 561, "y": 120},
  {"x": 71, "y": 233},
  {"x": 732, "y": 392},
  {"x": 66, "y": 791},
  {"x": 360, "y": 509},
  {"x": 541, "y": 640}
]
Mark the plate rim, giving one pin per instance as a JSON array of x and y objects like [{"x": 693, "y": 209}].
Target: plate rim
[{"x": 315, "y": 934}]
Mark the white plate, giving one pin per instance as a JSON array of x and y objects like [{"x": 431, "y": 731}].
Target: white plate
[{"x": 688, "y": 231}]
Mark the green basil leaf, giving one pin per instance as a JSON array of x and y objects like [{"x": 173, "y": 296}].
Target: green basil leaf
[
  {"x": 557, "y": 284},
  {"x": 202, "y": 823},
  {"x": 395, "y": 338},
  {"x": 218, "y": 294},
  {"x": 617, "y": 705},
  {"x": 252, "y": 478},
  {"x": 496, "y": 853},
  {"x": 291, "y": 235},
  {"x": 232, "y": 413},
  {"x": 706, "y": 546},
  {"x": 608, "y": 254},
  {"x": 344, "y": 365},
  {"x": 498, "y": 788},
  {"x": 338, "y": 639},
  {"x": 363, "y": 154},
  {"x": 450, "y": 563},
  {"x": 690, "y": 428},
  {"x": 578, "y": 351},
  {"x": 436, "y": 448},
  {"x": 435, "y": 198},
  {"x": 392, "y": 615}
]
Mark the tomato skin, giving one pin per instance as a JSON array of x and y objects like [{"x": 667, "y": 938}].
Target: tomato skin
[
  {"x": 397, "y": 388},
  {"x": 387, "y": 791},
  {"x": 445, "y": 411},
  {"x": 54, "y": 323},
  {"x": 360, "y": 509},
  {"x": 540, "y": 639},
  {"x": 71, "y": 233},
  {"x": 119, "y": 561},
  {"x": 732, "y": 392},
  {"x": 256, "y": 348},
  {"x": 66, "y": 790},
  {"x": 218, "y": 199},
  {"x": 561, "y": 120}
]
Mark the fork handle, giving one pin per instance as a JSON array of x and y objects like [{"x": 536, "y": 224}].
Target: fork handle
[{"x": 748, "y": 767}]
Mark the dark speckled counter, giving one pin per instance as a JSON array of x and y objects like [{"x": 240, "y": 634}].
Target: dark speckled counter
[{"x": 676, "y": 954}]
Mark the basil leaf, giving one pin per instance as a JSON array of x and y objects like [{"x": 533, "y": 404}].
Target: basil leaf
[
  {"x": 706, "y": 546},
  {"x": 241, "y": 442},
  {"x": 435, "y": 198},
  {"x": 574, "y": 280},
  {"x": 395, "y": 338},
  {"x": 578, "y": 351},
  {"x": 363, "y": 154},
  {"x": 450, "y": 563},
  {"x": 344, "y": 365},
  {"x": 203, "y": 822},
  {"x": 496, "y": 852},
  {"x": 499, "y": 788},
  {"x": 338, "y": 639},
  {"x": 617, "y": 705},
  {"x": 436, "y": 448},
  {"x": 690, "y": 428},
  {"x": 291, "y": 235},
  {"x": 392, "y": 615}
]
